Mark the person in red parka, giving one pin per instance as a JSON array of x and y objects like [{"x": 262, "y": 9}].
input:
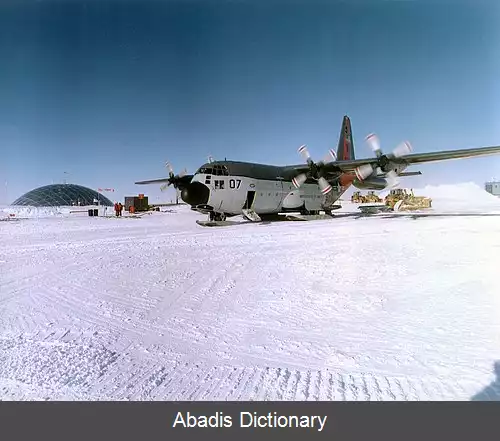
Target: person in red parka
[
  {"x": 120, "y": 208},
  {"x": 117, "y": 209}
]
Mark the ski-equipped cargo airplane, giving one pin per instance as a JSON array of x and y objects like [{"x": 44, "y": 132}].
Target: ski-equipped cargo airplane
[{"x": 229, "y": 188}]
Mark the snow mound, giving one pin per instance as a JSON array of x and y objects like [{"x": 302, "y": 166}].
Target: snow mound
[
  {"x": 3, "y": 213},
  {"x": 465, "y": 190},
  {"x": 28, "y": 212},
  {"x": 32, "y": 212},
  {"x": 466, "y": 196}
]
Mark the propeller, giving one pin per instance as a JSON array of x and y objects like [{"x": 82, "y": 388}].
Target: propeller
[
  {"x": 173, "y": 178},
  {"x": 384, "y": 161},
  {"x": 330, "y": 156},
  {"x": 315, "y": 170}
]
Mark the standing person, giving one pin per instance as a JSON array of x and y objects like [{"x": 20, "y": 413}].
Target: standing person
[
  {"x": 120, "y": 208},
  {"x": 117, "y": 209}
]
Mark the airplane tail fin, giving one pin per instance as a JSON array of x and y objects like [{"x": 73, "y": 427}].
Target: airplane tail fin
[{"x": 345, "y": 149}]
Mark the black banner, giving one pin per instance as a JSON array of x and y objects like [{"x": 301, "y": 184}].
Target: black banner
[{"x": 153, "y": 421}]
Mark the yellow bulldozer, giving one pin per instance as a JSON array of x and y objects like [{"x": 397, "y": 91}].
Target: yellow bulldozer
[
  {"x": 371, "y": 197},
  {"x": 402, "y": 200},
  {"x": 357, "y": 197}
]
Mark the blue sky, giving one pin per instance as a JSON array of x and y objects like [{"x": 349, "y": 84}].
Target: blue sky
[{"x": 108, "y": 91}]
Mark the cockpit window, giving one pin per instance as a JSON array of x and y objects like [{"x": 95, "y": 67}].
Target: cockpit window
[
  {"x": 216, "y": 170},
  {"x": 204, "y": 171},
  {"x": 221, "y": 170}
]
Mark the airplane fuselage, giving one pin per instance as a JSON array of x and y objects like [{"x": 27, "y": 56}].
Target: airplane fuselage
[{"x": 227, "y": 187}]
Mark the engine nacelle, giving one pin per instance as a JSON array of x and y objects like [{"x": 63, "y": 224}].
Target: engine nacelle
[{"x": 371, "y": 183}]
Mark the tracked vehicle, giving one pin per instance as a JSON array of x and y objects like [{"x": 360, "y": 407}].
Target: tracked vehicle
[{"x": 402, "y": 200}]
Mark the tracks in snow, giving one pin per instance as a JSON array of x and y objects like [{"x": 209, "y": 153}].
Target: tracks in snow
[
  {"x": 253, "y": 313},
  {"x": 61, "y": 364}
]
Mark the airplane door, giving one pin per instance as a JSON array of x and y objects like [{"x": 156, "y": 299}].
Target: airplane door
[
  {"x": 280, "y": 193},
  {"x": 249, "y": 200}
]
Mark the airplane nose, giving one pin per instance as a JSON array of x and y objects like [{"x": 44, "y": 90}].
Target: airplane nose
[{"x": 195, "y": 194}]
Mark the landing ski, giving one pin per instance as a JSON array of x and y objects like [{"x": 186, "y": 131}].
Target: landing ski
[
  {"x": 374, "y": 209},
  {"x": 214, "y": 223},
  {"x": 308, "y": 217}
]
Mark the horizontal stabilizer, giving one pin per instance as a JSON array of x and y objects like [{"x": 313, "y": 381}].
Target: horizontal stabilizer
[
  {"x": 410, "y": 173},
  {"x": 416, "y": 173}
]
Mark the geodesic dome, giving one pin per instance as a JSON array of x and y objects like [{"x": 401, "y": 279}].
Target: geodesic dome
[{"x": 57, "y": 195}]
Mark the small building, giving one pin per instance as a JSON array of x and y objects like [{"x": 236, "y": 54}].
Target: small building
[
  {"x": 493, "y": 187},
  {"x": 139, "y": 203}
]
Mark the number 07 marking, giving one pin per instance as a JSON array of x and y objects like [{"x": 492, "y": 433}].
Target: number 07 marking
[{"x": 234, "y": 183}]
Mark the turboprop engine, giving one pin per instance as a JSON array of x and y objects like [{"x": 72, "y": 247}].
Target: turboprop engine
[{"x": 369, "y": 177}]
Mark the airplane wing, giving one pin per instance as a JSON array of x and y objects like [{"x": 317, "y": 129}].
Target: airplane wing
[
  {"x": 176, "y": 181},
  {"x": 154, "y": 181},
  {"x": 419, "y": 158},
  {"x": 416, "y": 158}
]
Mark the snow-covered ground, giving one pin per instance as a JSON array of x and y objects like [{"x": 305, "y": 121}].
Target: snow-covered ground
[{"x": 157, "y": 307}]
